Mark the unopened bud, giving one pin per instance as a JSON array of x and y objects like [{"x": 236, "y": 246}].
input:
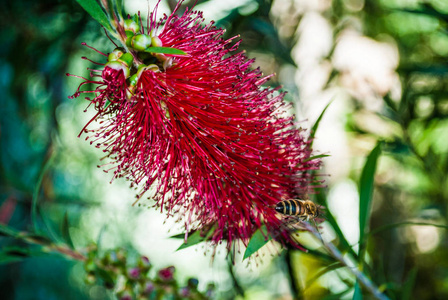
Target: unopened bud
[
  {"x": 116, "y": 54},
  {"x": 131, "y": 25},
  {"x": 134, "y": 273},
  {"x": 156, "y": 42},
  {"x": 127, "y": 59},
  {"x": 140, "y": 42},
  {"x": 133, "y": 80}
]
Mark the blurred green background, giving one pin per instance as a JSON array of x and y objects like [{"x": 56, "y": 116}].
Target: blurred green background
[{"x": 383, "y": 63}]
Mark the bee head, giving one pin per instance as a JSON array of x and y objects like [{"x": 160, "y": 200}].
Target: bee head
[{"x": 312, "y": 210}]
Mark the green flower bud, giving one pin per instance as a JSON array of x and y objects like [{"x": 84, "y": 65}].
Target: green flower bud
[
  {"x": 127, "y": 59},
  {"x": 140, "y": 42},
  {"x": 116, "y": 65},
  {"x": 129, "y": 41},
  {"x": 131, "y": 25},
  {"x": 116, "y": 54},
  {"x": 156, "y": 42},
  {"x": 133, "y": 80},
  {"x": 129, "y": 33}
]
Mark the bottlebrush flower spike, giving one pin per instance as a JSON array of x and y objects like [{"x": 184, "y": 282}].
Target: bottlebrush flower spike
[{"x": 214, "y": 146}]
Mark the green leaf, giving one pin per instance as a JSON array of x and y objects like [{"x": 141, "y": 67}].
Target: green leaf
[
  {"x": 8, "y": 231},
  {"x": 94, "y": 10},
  {"x": 323, "y": 271},
  {"x": 197, "y": 237},
  {"x": 13, "y": 254},
  {"x": 119, "y": 4},
  {"x": 165, "y": 50},
  {"x": 366, "y": 191},
  {"x": 178, "y": 236},
  {"x": 7, "y": 259},
  {"x": 406, "y": 291},
  {"x": 316, "y": 156},
  {"x": 65, "y": 231},
  {"x": 316, "y": 124},
  {"x": 257, "y": 241},
  {"x": 36, "y": 191},
  {"x": 357, "y": 295},
  {"x": 135, "y": 18}
]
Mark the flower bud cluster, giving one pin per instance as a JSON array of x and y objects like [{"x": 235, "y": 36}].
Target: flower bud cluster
[
  {"x": 138, "y": 43},
  {"x": 129, "y": 280}
]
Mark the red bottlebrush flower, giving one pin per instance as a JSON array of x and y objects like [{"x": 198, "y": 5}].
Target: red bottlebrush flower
[{"x": 217, "y": 147}]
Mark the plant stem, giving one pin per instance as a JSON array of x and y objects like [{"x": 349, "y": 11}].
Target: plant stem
[
  {"x": 365, "y": 282},
  {"x": 59, "y": 248}
]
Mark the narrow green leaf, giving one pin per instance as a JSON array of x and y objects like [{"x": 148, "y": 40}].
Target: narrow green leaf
[
  {"x": 322, "y": 256},
  {"x": 323, "y": 271},
  {"x": 48, "y": 227},
  {"x": 366, "y": 191},
  {"x": 178, "y": 236},
  {"x": 316, "y": 124},
  {"x": 65, "y": 226},
  {"x": 7, "y": 259},
  {"x": 357, "y": 295},
  {"x": 258, "y": 240},
  {"x": 408, "y": 286},
  {"x": 94, "y": 10},
  {"x": 8, "y": 231},
  {"x": 316, "y": 156},
  {"x": 165, "y": 50},
  {"x": 36, "y": 191},
  {"x": 135, "y": 19},
  {"x": 197, "y": 237},
  {"x": 119, "y": 4}
]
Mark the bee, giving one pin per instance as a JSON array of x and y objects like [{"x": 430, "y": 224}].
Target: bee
[{"x": 304, "y": 209}]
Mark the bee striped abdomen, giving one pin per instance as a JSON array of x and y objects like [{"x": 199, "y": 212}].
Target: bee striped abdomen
[{"x": 291, "y": 207}]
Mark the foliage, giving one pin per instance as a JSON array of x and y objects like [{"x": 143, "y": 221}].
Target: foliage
[{"x": 48, "y": 189}]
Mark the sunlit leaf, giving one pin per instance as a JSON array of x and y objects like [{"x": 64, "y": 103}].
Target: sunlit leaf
[
  {"x": 257, "y": 241},
  {"x": 165, "y": 50},
  {"x": 323, "y": 271},
  {"x": 316, "y": 124},
  {"x": 94, "y": 10},
  {"x": 366, "y": 191}
]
